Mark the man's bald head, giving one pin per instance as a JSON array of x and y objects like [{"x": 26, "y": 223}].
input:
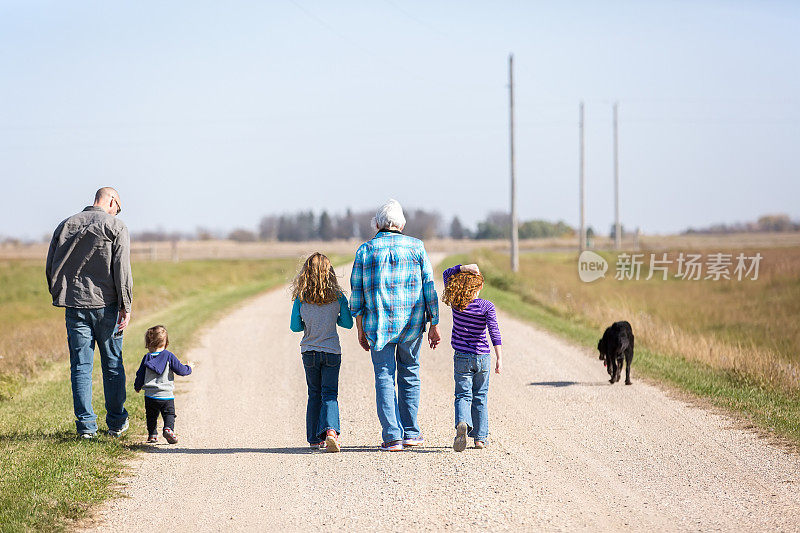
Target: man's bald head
[{"x": 108, "y": 199}]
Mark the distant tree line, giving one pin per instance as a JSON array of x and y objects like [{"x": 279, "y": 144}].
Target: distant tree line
[
  {"x": 306, "y": 226},
  {"x": 421, "y": 223},
  {"x": 764, "y": 224},
  {"x": 497, "y": 225}
]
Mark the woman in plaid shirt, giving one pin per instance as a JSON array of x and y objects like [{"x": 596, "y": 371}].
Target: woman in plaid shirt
[{"x": 392, "y": 298}]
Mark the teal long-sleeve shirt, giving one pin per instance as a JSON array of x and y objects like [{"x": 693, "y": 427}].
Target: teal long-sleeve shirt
[{"x": 318, "y": 322}]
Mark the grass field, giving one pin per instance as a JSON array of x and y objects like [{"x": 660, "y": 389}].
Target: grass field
[
  {"x": 735, "y": 343},
  {"x": 33, "y": 331},
  {"x": 48, "y": 477}
]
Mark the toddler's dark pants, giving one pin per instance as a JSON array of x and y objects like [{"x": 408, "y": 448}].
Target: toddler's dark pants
[{"x": 153, "y": 407}]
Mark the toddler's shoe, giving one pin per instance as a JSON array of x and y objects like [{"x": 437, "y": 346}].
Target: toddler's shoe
[
  {"x": 169, "y": 435},
  {"x": 479, "y": 445},
  {"x": 460, "y": 442},
  {"x": 413, "y": 442},
  {"x": 332, "y": 441},
  {"x": 152, "y": 438},
  {"x": 393, "y": 446}
]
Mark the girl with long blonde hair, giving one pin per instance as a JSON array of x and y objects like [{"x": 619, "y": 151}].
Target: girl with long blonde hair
[{"x": 319, "y": 306}]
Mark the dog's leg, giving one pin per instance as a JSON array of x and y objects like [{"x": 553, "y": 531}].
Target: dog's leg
[{"x": 628, "y": 360}]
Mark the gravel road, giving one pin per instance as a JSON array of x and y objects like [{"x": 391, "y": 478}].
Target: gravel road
[{"x": 567, "y": 450}]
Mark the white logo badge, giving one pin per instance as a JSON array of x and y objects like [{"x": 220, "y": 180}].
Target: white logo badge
[{"x": 591, "y": 266}]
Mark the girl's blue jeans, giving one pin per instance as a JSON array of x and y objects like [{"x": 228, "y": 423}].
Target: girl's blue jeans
[
  {"x": 322, "y": 378},
  {"x": 471, "y": 373}
]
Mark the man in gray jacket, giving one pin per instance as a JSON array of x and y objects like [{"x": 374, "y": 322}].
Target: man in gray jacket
[{"x": 89, "y": 273}]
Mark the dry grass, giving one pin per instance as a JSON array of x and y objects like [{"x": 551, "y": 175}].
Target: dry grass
[
  {"x": 33, "y": 330},
  {"x": 224, "y": 249},
  {"x": 749, "y": 328}
]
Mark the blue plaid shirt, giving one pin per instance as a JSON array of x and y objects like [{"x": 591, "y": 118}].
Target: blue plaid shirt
[{"x": 392, "y": 286}]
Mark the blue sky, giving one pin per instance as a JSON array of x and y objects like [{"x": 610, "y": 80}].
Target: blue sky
[{"x": 214, "y": 114}]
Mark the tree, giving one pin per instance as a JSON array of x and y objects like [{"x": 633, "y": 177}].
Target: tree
[
  {"x": 422, "y": 224},
  {"x": 779, "y": 222},
  {"x": 540, "y": 229},
  {"x": 242, "y": 235},
  {"x": 204, "y": 234},
  {"x": 326, "y": 230},
  {"x": 363, "y": 224},
  {"x": 456, "y": 229},
  {"x": 268, "y": 228},
  {"x": 298, "y": 227},
  {"x": 496, "y": 226},
  {"x": 345, "y": 225}
]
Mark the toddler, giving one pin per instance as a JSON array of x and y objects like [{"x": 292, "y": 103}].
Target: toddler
[{"x": 156, "y": 377}]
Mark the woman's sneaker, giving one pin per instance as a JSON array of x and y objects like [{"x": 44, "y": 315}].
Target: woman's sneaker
[
  {"x": 413, "y": 442},
  {"x": 332, "y": 441},
  {"x": 393, "y": 446},
  {"x": 479, "y": 445},
  {"x": 152, "y": 438},
  {"x": 460, "y": 442},
  {"x": 169, "y": 435},
  {"x": 118, "y": 432}
]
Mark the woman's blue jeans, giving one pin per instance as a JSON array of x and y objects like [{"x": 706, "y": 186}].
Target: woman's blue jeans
[
  {"x": 85, "y": 328},
  {"x": 397, "y": 411},
  {"x": 322, "y": 378},
  {"x": 471, "y": 372}
]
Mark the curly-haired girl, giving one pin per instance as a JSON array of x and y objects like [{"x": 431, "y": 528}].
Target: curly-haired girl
[
  {"x": 472, "y": 316},
  {"x": 319, "y": 306}
]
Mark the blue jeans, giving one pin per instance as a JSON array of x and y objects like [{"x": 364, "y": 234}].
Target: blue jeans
[
  {"x": 322, "y": 378},
  {"x": 471, "y": 372},
  {"x": 85, "y": 327},
  {"x": 397, "y": 411}
]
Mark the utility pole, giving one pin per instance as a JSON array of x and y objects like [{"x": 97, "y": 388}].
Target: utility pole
[
  {"x": 582, "y": 185},
  {"x": 617, "y": 228},
  {"x": 514, "y": 229}
]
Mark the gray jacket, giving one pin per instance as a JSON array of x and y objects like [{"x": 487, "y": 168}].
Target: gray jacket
[
  {"x": 155, "y": 374},
  {"x": 88, "y": 263}
]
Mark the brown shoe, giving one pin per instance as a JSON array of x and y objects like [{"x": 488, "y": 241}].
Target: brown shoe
[
  {"x": 332, "y": 441},
  {"x": 460, "y": 442}
]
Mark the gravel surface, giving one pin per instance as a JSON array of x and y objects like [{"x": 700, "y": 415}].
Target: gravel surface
[{"x": 567, "y": 450}]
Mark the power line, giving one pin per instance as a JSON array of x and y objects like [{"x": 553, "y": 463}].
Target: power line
[
  {"x": 419, "y": 21},
  {"x": 350, "y": 41}
]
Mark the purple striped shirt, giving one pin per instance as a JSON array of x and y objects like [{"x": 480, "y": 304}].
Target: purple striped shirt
[{"x": 470, "y": 325}]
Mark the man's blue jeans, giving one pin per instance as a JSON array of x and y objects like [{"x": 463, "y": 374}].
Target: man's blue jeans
[
  {"x": 397, "y": 411},
  {"x": 322, "y": 378},
  {"x": 85, "y": 327},
  {"x": 471, "y": 372}
]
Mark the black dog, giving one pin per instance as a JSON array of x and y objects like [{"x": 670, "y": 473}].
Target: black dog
[{"x": 617, "y": 342}]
